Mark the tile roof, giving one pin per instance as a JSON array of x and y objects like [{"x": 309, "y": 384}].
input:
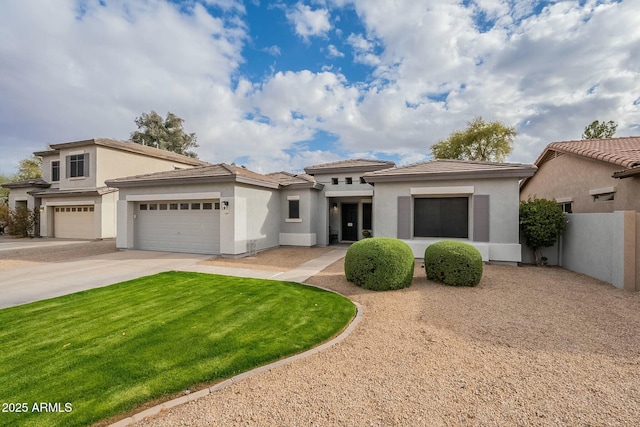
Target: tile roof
[
  {"x": 36, "y": 182},
  {"x": 353, "y": 164},
  {"x": 457, "y": 169},
  {"x": 219, "y": 172},
  {"x": 124, "y": 146},
  {"x": 624, "y": 151},
  {"x": 286, "y": 178}
]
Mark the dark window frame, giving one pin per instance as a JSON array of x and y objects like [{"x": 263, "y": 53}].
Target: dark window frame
[
  {"x": 77, "y": 166},
  {"x": 367, "y": 216},
  {"x": 294, "y": 209},
  {"x": 441, "y": 217},
  {"x": 55, "y": 171}
]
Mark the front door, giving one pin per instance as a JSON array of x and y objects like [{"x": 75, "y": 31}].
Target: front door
[{"x": 350, "y": 221}]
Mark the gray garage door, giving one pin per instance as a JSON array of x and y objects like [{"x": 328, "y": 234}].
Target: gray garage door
[{"x": 191, "y": 226}]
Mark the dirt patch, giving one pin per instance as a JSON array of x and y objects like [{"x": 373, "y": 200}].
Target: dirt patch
[
  {"x": 277, "y": 259},
  {"x": 527, "y": 346}
]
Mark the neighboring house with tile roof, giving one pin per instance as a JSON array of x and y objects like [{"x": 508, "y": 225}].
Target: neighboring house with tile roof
[
  {"x": 597, "y": 182},
  {"x": 589, "y": 175},
  {"x": 72, "y": 196}
]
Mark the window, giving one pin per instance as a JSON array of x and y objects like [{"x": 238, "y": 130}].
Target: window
[
  {"x": 195, "y": 206},
  {"x": 294, "y": 209},
  {"x": 91, "y": 208},
  {"x": 216, "y": 206},
  {"x": 76, "y": 165},
  {"x": 334, "y": 181},
  {"x": 362, "y": 181},
  {"x": 184, "y": 206},
  {"x": 57, "y": 209},
  {"x": 153, "y": 207},
  {"x": 348, "y": 180},
  {"x": 173, "y": 206},
  {"x": 604, "y": 197},
  {"x": 567, "y": 207},
  {"x": 55, "y": 171},
  {"x": 441, "y": 217},
  {"x": 163, "y": 206},
  {"x": 207, "y": 206},
  {"x": 366, "y": 216}
]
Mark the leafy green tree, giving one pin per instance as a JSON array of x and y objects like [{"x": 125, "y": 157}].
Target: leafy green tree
[
  {"x": 30, "y": 168},
  {"x": 597, "y": 130},
  {"x": 542, "y": 222},
  {"x": 166, "y": 134},
  {"x": 482, "y": 141},
  {"x": 4, "y": 192}
]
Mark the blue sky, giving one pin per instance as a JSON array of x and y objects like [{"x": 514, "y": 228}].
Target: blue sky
[{"x": 282, "y": 85}]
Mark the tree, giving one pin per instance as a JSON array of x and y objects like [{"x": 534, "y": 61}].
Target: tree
[
  {"x": 479, "y": 141},
  {"x": 4, "y": 192},
  {"x": 30, "y": 168},
  {"x": 166, "y": 134},
  {"x": 542, "y": 222},
  {"x": 597, "y": 130}
]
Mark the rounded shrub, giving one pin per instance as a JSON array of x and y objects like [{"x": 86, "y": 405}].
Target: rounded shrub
[
  {"x": 453, "y": 263},
  {"x": 379, "y": 264}
]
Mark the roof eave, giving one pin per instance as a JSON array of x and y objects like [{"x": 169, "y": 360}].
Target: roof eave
[
  {"x": 627, "y": 173},
  {"x": 346, "y": 169},
  {"x": 438, "y": 176}
]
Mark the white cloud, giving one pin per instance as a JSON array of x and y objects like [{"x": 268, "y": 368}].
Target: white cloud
[
  {"x": 433, "y": 70},
  {"x": 333, "y": 52},
  {"x": 273, "y": 50},
  {"x": 308, "y": 22}
]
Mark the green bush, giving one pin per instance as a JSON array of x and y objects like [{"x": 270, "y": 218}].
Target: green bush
[
  {"x": 379, "y": 264},
  {"x": 541, "y": 222},
  {"x": 453, "y": 263}
]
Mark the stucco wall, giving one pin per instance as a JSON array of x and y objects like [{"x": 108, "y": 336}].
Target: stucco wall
[
  {"x": 503, "y": 205},
  {"x": 78, "y": 182},
  {"x": 503, "y": 194},
  {"x": 569, "y": 176},
  {"x": 261, "y": 218},
  {"x": 113, "y": 164}
]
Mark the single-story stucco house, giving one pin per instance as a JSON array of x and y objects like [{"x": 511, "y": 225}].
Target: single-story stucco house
[{"x": 232, "y": 211}]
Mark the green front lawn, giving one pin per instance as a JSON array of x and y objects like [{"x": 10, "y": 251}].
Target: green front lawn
[{"x": 107, "y": 351}]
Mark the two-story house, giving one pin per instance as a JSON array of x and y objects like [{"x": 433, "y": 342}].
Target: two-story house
[{"x": 72, "y": 196}]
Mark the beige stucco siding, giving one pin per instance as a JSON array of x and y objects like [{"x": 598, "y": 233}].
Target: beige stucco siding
[
  {"x": 572, "y": 177},
  {"x": 84, "y": 182},
  {"x": 261, "y": 221},
  {"x": 113, "y": 164}
]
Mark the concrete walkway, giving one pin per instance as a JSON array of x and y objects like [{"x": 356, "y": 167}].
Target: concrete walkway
[
  {"x": 298, "y": 274},
  {"x": 31, "y": 283},
  {"x": 9, "y": 243}
]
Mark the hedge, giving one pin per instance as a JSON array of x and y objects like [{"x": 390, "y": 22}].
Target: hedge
[
  {"x": 379, "y": 264},
  {"x": 453, "y": 263}
]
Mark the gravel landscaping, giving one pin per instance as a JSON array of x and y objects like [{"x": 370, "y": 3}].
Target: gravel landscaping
[
  {"x": 278, "y": 259},
  {"x": 29, "y": 256},
  {"x": 528, "y": 346}
]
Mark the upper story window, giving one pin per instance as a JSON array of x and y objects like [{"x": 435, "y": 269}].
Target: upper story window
[
  {"x": 334, "y": 181},
  {"x": 77, "y": 165},
  {"x": 567, "y": 207},
  {"x": 362, "y": 181},
  {"x": 348, "y": 180},
  {"x": 55, "y": 171}
]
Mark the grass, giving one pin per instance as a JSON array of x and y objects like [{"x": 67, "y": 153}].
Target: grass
[{"x": 109, "y": 350}]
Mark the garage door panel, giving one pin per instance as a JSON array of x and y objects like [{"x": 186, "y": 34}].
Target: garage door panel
[
  {"x": 182, "y": 230},
  {"x": 74, "y": 222}
]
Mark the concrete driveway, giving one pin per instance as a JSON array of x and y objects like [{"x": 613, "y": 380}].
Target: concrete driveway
[
  {"x": 26, "y": 284},
  {"x": 9, "y": 243}
]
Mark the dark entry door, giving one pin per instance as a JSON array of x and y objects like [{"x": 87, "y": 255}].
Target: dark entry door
[{"x": 350, "y": 221}]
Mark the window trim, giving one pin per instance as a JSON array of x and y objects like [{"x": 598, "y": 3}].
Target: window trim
[
  {"x": 467, "y": 223},
  {"x": 293, "y": 210}
]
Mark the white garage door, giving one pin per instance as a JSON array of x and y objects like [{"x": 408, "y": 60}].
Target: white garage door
[
  {"x": 182, "y": 226},
  {"x": 73, "y": 222}
]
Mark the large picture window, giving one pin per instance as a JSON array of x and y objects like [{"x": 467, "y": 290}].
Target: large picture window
[
  {"x": 366, "y": 216},
  {"x": 441, "y": 217}
]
